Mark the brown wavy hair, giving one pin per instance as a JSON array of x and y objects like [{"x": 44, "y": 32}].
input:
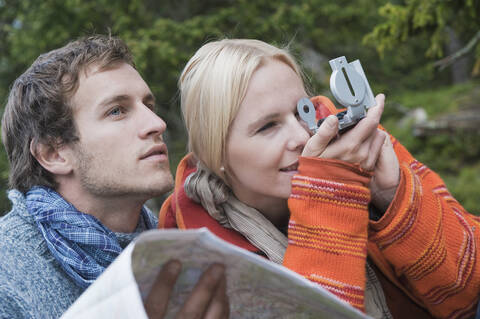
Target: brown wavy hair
[{"x": 38, "y": 109}]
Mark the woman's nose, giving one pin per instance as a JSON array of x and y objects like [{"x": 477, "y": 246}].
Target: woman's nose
[{"x": 298, "y": 136}]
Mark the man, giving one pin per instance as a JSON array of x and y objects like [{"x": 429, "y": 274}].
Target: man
[{"x": 86, "y": 152}]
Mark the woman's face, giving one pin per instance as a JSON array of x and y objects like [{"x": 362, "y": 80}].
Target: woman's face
[{"x": 266, "y": 139}]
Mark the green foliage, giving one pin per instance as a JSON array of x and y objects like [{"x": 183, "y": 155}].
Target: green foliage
[
  {"x": 164, "y": 34},
  {"x": 465, "y": 187},
  {"x": 431, "y": 20},
  {"x": 439, "y": 100},
  {"x": 454, "y": 156}
]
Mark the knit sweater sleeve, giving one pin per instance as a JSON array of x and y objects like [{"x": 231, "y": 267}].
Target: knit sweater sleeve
[
  {"x": 327, "y": 232},
  {"x": 12, "y": 306},
  {"x": 429, "y": 242}
]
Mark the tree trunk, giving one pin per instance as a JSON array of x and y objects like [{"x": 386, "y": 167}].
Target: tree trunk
[{"x": 460, "y": 68}]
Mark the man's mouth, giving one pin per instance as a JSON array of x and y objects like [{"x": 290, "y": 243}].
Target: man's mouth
[
  {"x": 159, "y": 150},
  {"x": 290, "y": 168}
]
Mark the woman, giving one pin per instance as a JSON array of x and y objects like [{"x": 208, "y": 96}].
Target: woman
[{"x": 255, "y": 170}]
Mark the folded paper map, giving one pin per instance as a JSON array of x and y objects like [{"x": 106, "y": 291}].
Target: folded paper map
[{"x": 256, "y": 287}]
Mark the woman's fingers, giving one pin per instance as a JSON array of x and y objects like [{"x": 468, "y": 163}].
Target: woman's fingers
[
  {"x": 319, "y": 142},
  {"x": 374, "y": 149},
  {"x": 361, "y": 144},
  {"x": 384, "y": 183},
  {"x": 368, "y": 125},
  {"x": 354, "y": 145}
]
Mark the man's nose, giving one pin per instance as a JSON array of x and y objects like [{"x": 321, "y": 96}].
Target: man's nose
[
  {"x": 150, "y": 123},
  {"x": 298, "y": 136}
]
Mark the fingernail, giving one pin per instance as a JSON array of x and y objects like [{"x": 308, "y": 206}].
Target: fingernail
[
  {"x": 174, "y": 266},
  {"x": 331, "y": 121}
]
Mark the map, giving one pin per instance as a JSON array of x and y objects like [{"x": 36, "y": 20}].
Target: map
[{"x": 256, "y": 287}]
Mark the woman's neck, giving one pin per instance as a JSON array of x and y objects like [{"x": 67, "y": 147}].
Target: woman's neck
[{"x": 276, "y": 211}]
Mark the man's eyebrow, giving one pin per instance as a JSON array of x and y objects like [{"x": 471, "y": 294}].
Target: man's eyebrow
[
  {"x": 114, "y": 99},
  {"x": 260, "y": 121},
  {"x": 124, "y": 97},
  {"x": 150, "y": 97}
]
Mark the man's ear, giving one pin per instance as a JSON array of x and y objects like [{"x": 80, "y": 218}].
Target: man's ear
[{"x": 56, "y": 160}]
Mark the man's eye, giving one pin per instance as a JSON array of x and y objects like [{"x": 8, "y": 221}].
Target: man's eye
[
  {"x": 118, "y": 110},
  {"x": 267, "y": 126}
]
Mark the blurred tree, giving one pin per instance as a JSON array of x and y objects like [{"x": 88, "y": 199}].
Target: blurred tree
[
  {"x": 450, "y": 27},
  {"x": 163, "y": 34}
]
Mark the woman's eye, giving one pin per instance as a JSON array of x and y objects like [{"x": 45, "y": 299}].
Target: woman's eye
[{"x": 266, "y": 126}]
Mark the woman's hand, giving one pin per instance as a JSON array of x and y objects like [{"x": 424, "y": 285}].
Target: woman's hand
[
  {"x": 386, "y": 178},
  {"x": 365, "y": 145},
  {"x": 361, "y": 144}
]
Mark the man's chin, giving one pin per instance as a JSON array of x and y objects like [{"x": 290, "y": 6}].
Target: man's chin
[{"x": 160, "y": 189}]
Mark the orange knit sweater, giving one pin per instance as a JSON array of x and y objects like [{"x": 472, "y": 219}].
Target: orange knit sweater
[{"x": 425, "y": 243}]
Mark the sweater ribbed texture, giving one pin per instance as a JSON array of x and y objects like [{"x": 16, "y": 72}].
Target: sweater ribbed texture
[
  {"x": 324, "y": 246},
  {"x": 32, "y": 283},
  {"x": 427, "y": 244}
]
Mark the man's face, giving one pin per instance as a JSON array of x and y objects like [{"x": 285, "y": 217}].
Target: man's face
[{"x": 121, "y": 150}]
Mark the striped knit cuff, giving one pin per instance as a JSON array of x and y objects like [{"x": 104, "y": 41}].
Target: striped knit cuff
[
  {"x": 402, "y": 213},
  {"x": 332, "y": 195},
  {"x": 329, "y": 216},
  {"x": 328, "y": 227},
  {"x": 334, "y": 170}
]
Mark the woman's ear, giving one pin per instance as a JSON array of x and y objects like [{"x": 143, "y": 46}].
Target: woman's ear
[{"x": 55, "y": 159}]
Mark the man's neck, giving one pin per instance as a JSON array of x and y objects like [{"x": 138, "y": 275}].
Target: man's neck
[{"x": 117, "y": 214}]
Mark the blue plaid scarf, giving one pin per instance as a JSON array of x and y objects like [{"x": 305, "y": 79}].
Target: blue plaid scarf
[{"x": 78, "y": 241}]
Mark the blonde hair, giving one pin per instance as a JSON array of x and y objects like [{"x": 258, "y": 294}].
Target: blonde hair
[{"x": 213, "y": 85}]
